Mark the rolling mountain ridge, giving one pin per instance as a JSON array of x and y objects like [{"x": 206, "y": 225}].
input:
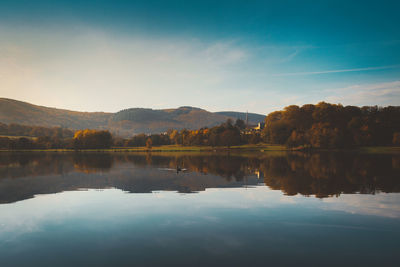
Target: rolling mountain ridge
[{"x": 125, "y": 122}]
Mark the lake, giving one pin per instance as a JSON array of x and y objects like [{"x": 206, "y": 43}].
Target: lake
[{"x": 217, "y": 209}]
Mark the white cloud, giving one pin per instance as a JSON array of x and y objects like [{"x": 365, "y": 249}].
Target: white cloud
[
  {"x": 338, "y": 71},
  {"x": 66, "y": 69},
  {"x": 387, "y": 93},
  {"x": 223, "y": 53},
  {"x": 90, "y": 70},
  {"x": 386, "y": 205}
]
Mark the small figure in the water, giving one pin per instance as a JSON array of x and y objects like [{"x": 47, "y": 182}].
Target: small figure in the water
[{"x": 178, "y": 169}]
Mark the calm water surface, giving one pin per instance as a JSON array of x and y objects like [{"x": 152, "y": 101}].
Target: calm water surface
[{"x": 126, "y": 209}]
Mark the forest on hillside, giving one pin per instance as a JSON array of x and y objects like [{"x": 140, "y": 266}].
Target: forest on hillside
[
  {"x": 333, "y": 126},
  {"x": 14, "y": 129},
  {"x": 310, "y": 126},
  {"x": 125, "y": 123}
]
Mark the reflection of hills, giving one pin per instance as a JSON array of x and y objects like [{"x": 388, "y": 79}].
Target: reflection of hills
[
  {"x": 24, "y": 175},
  {"x": 133, "y": 180}
]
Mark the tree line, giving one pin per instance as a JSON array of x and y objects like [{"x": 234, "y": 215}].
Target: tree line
[
  {"x": 14, "y": 129},
  {"x": 227, "y": 134},
  {"x": 310, "y": 126},
  {"x": 333, "y": 126},
  {"x": 81, "y": 139}
]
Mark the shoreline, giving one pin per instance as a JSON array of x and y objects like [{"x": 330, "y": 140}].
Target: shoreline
[
  {"x": 166, "y": 148},
  {"x": 241, "y": 148}
]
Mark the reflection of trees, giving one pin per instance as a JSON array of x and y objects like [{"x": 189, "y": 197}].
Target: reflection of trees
[
  {"x": 396, "y": 162},
  {"x": 319, "y": 174},
  {"x": 331, "y": 174},
  {"x": 93, "y": 162},
  {"x": 13, "y": 165},
  {"x": 39, "y": 164},
  {"x": 224, "y": 165}
]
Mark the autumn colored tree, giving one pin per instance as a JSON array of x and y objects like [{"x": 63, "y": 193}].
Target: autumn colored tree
[
  {"x": 92, "y": 139},
  {"x": 22, "y": 143},
  {"x": 396, "y": 139},
  {"x": 4, "y": 143},
  {"x": 251, "y": 138},
  {"x": 328, "y": 125},
  {"x": 149, "y": 143},
  {"x": 137, "y": 140},
  {"x": 230, "y": 137},
  {"x": 297, "y": 138}
]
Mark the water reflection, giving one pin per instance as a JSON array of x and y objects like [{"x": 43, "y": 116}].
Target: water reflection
[
  {"x": 217, "y": 227},
  {"x": 23, "y": 175},
  {"x": 233, "y": 220}
]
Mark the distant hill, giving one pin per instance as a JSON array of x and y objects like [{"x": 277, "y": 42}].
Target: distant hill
[
  {"x": 125, "y": 122},
  {"x": 149, "y": 120},
  {"x": 253, "y": 118},
  {"x": 13, "y": 111}
]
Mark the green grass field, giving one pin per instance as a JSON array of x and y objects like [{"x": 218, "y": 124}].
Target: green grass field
[
  {"x": 172, "y": 148},
  {"x": 179, "y": 148},
  {"x": 233, "y": 149},
  {"x": 18, "y": 136}
]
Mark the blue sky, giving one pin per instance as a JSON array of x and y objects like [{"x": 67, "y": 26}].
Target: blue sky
[{"x": 218, "y": 55}]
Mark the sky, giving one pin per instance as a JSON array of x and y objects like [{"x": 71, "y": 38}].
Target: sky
[{"x": 258, "y": 56}]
